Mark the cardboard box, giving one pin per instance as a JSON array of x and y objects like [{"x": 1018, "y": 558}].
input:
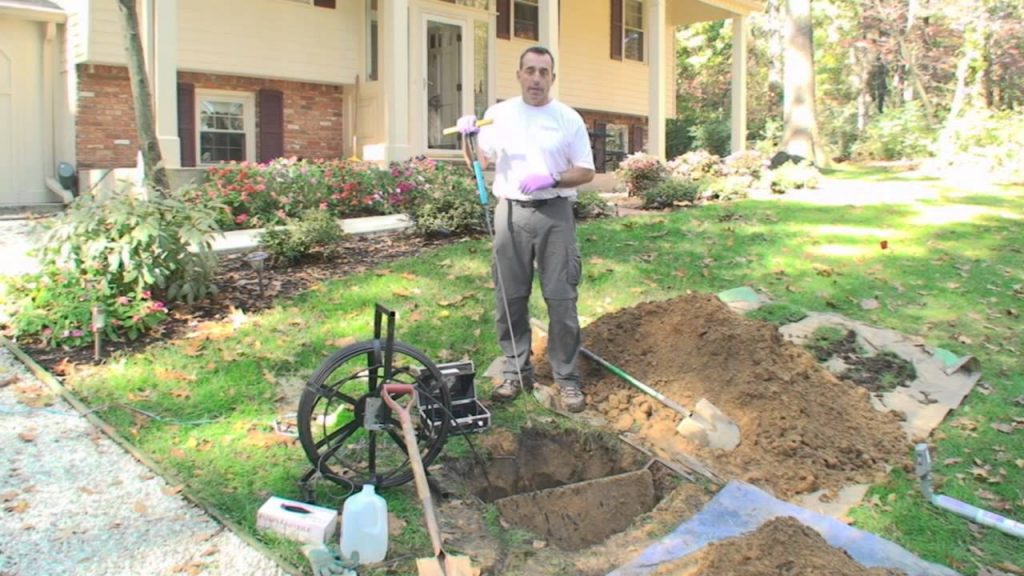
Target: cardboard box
[{"x": 297, "y": 520}]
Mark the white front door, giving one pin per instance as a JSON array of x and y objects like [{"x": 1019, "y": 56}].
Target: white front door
[
  {"x": 22, "y": 169},
  {"x": 444, "y": 80}
]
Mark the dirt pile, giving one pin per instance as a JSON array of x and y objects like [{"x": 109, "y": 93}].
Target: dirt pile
[
  {"x": 802, "y": 428},
  {"x": 780, "y": 546}
]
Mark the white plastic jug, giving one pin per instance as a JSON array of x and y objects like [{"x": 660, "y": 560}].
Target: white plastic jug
[{"x": 364, "y": 526}]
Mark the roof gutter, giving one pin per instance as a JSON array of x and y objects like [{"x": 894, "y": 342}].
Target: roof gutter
[{"x": 32, "y": 12}]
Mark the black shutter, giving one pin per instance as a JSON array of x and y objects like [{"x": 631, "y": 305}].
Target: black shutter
[
  {"x": 187, "y": 123},
  {"x": 636, "y": 138},
  {"x": 271, "y": 138},
  {"x": 616, "y": 30},
  {"x": 323, "y": 3},
  {"x": 600, "y": 143},
  {"x": 504, "y": 19}
]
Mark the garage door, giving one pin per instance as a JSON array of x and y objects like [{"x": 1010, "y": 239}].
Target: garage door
[{"x": 22, "y": 170}]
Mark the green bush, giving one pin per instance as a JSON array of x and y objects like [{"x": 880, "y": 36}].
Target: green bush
[
  {"x": 447, "y": 202},
  {"x": 589, "y": 205},
  {"x": 641, "y": 172},
  {"x": 121, "y": 254},
  {"x": 899, "y": 133},
  {"x": 669, "y": 192},
  {"x": 985, "y": 141},
  {"x": 793, "y": 176},
  {"x": 313, "y": 232},
  {"x": 726, "y": 187},
  {"x": 713, "y": 135}
]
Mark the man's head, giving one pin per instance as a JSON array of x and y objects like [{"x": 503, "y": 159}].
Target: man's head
[{"x": 536, "y": 74}]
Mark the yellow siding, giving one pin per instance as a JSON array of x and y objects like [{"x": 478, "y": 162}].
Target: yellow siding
[
  {"x": 587, "y": 76},
  {"x": 261, "y": 38}
]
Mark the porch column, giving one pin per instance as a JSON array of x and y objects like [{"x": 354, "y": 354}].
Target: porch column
[
  {"x": 549, "y": 34},
  {"x": 394, "y": 67},
  {"x": 657, "y": 74},
  {"x": 160, "y": 43},
  {"x": 738, "y": 118}
]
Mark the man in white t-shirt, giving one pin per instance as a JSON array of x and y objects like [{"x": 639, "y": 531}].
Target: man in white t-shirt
[{"x": 541, "y": 152}]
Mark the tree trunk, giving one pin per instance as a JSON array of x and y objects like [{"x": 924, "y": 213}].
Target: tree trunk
[
  {"x": 152, "y": 160},
  {"x": 800, "y": 136}
]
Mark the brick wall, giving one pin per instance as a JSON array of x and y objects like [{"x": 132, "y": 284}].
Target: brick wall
[
  {"x": 105, "y": 126},
  {"x": 106, "y": 136}
]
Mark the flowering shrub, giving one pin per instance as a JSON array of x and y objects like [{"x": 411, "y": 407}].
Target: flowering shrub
[
  {"x": 120, "y": 254},
  {"x": 56, "y": 309},
  {"x": 746, "y": 163},
  {"x": 250, "y": 195},
  {"x": 695, "y": 165},
  {"x": 641, "y": 172}
]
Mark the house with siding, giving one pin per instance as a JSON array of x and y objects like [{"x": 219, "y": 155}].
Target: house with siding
[{"x": 252, "y": 80}]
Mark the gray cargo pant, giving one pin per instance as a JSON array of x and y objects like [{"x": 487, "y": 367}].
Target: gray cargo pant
[{"x": 544, "y": 233}]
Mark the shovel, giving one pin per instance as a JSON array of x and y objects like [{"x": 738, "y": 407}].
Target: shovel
[
  {"x": 706, "y": 424},
  {"x": 441, "y": 564}
]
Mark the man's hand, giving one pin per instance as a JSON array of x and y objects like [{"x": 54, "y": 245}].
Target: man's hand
[
  {"x": 467, "y": 125},
  {"x": 535, "y": 182},
  {"x": 326, "y": 561}
]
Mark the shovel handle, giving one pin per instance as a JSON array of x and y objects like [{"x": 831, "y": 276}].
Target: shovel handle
[
  {"x": 455, "y": 129},
  {"x": 625, "y": 376},
  {"x": 415, "y": 462},
  {"x": 644, "y": 387}
]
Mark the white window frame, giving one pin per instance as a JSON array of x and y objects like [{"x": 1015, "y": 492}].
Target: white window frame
[
  {"x": 642, "y": 30},
  {"x": 248, "y": 101}
]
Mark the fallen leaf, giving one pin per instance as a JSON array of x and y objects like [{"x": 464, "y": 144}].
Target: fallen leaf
[
  {"x": 1011, "y": 568},
  {"x": 181, "y": 393},
  {"x": 538, "y": 544},
  {"x": 177, "y": 375},
  {"x": 172, "y": 490},
  {"x": 178, "y": 453},
  {"x": 869, "y": 304},
  {"x": 9, "y": 380},
  {"x": 342, "y": 342},
  {"x": 395, "y": 525},
  {"x": 18, "y": 507},
  {"x": 8, "y": 496},
  {"x": 140, "y": 507},
  {"x": 28, "y": 435},
  {"x": 1004, "y": 428}
]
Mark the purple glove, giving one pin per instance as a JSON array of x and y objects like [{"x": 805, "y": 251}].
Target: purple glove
[
  {"x": 467, "y": 125},
  {"x": 535, "y": 182}
]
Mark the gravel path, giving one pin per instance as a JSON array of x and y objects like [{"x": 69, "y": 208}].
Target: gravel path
[{"x": 74, "y": 502}]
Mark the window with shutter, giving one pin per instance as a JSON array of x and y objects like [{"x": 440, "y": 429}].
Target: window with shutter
[
  {"x": 225, "y": 126},
  {"x": 627, "y": 30}
]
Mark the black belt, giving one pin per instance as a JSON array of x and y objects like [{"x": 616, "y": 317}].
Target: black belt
[{"x": 535, "y": 203}]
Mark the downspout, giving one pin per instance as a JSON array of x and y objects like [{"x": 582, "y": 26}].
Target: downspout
[
  {"x": 923, "y": 468},
  {"x": 49, "y": 118}
]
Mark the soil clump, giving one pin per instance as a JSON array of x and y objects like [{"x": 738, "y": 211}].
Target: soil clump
[
  {"x": 779, "y": 546},
  {"x": 802, "y": 428}
]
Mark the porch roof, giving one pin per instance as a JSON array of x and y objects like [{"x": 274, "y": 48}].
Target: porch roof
[
  {"x": 683, "y": 12},
  {"x": 40, "y": 10}
]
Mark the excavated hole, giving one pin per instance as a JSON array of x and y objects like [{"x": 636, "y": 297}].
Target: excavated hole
[{"x": 571, "y": 489}]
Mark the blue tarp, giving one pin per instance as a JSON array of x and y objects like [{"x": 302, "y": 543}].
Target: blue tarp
[{"x": 740, "y": 508}]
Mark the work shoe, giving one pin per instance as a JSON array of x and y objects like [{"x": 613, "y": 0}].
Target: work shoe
[
  {"x": 505, "y": 390},
  {"x": 508, "y": 388},
  {"x": 572, "y": 399}
]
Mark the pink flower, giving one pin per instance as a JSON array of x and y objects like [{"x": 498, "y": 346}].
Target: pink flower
[
  {"x": 323, "y": 205},
  {"x": 124, "y": 300},
  {"x": 147, "y": 294},
  {"x": 157, "y": 306},
  {"x": 241, "y": 218},
  {"x": 76, "y": 333}
]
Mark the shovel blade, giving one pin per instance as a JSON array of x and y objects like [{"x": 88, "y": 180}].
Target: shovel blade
[
  {"x": 452, "y": 566},
  {"x": 709, "y": 426}
]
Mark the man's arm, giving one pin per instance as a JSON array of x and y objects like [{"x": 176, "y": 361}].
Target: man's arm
[{"x": 575, "y": 176}]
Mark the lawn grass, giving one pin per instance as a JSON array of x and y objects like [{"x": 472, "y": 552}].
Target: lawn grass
[{"x": 952, "y": 272}]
